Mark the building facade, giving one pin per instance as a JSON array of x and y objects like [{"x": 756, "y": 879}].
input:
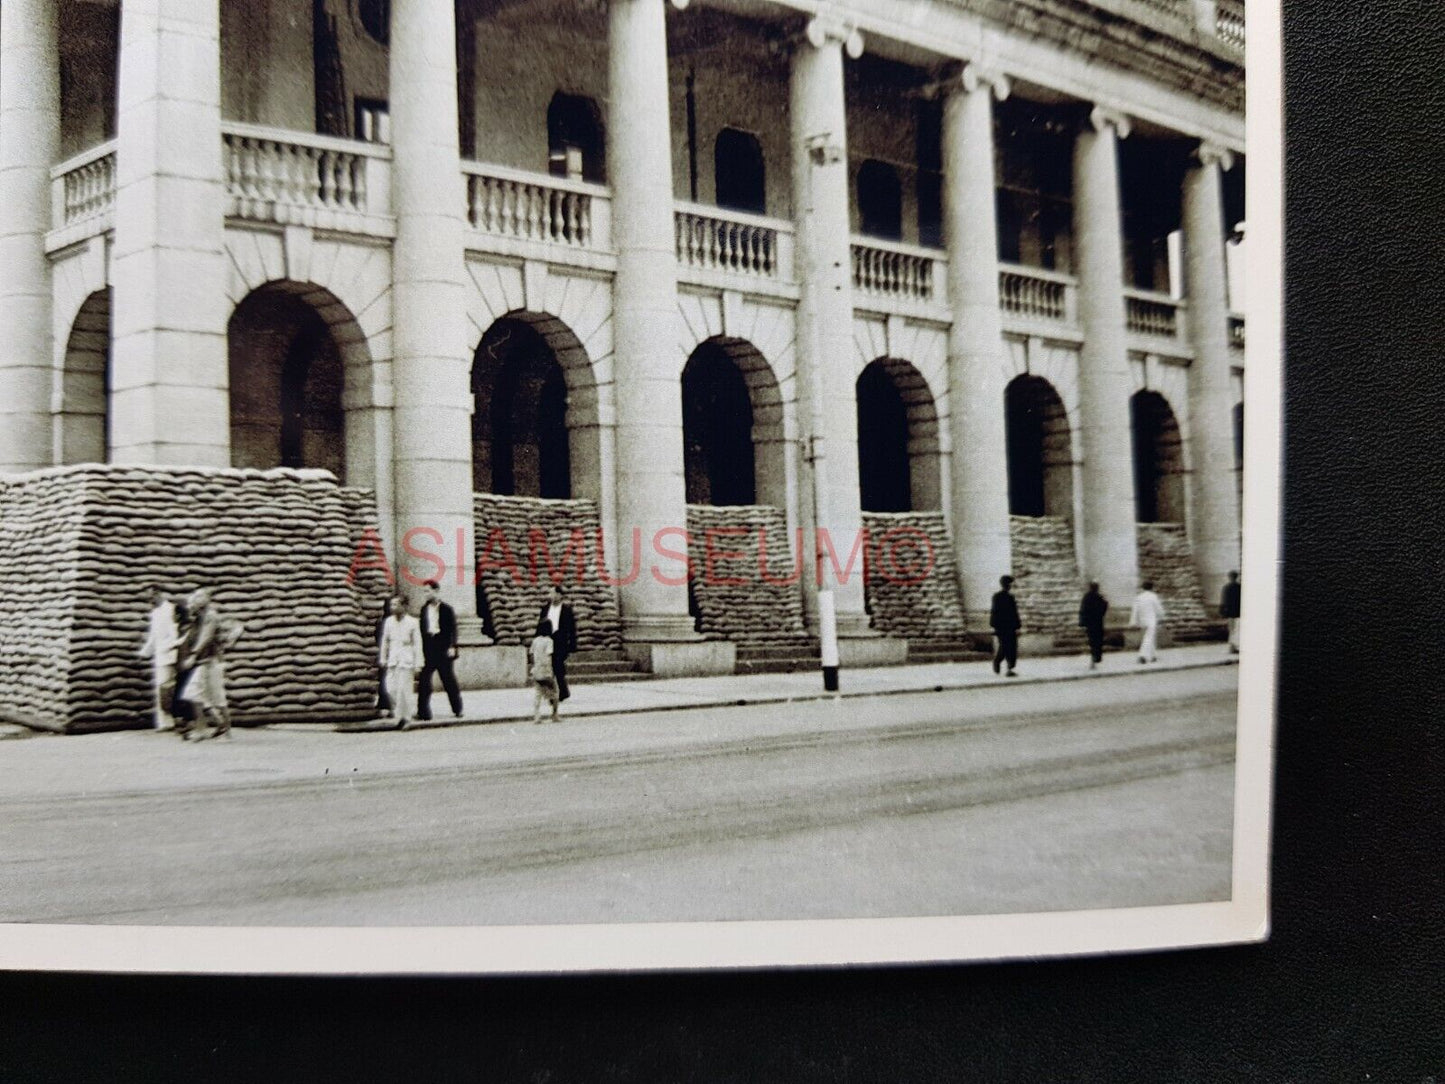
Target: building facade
[{"x": 956, "y": 266}]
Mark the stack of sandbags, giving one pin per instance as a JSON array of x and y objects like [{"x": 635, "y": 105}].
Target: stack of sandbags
[
  {"x": 373, "y": 583},
  {"x": 40, "y": 518},
  {"x": 732, "y": 598},
  {"x": 275, "y": 548},
  {"x": 1046, "y": 573},
  {"x": 912, "y": 585},
  {"x": 1167, "y": 559},
  {"x": 516, "y": 577}
]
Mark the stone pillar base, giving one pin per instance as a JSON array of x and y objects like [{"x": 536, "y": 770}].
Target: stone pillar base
[
  {"x": 491, "y": 666},
  {"x": 871, "y": 650},
  {"x": 700, "y": 658}
]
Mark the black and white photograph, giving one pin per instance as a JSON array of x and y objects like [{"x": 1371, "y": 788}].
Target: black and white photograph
[{"x": 555, "y": 485}]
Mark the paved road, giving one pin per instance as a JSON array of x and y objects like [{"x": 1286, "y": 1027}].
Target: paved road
[{"x": 1097, "y": 794}]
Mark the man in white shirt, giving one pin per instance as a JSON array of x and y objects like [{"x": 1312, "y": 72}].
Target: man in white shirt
[
  {"x": 1147, "y": 614},
  {"x": 162, "y": 640}
]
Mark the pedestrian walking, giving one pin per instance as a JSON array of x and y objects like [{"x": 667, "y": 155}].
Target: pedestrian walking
[
  {"x": 438, "y": 623},
  {"x": 562, "y": 622},
  {"x": 1004, "y": 617},
  {"x": 383, "y": 699},
  {"x": 544, "y": 678},
  {"x": 1147, "y": 614},
  {"x": 400, "y": 655},
  {"x": 162, "y": 644},
  {"x": 1229, "y": 600},
  {"x": 1092, "y": 609},
  {"x": 203, "y": 654}
]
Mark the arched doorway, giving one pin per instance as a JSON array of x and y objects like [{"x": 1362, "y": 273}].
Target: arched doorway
[
  {"x": 738, "y": 171},
  {"x": 82, "y": 423},
  {"x": 1158, "y": 460},
  {"x": 520, "y": 442},
  {"x": 576, "y": 139},
  {"x": 898, "y": 455},
  {"x": 717, "y": 426},
  {"x": 1040, "y": 454},
  {"x": 286, "y": 382}
]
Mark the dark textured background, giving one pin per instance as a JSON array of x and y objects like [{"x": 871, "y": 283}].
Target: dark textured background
[{"x": 1349, "y": 988}]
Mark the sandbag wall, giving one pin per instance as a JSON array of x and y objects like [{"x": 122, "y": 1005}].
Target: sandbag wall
[
  {"x": 1046, "y": 573},
  {"x": 40, "y": 524},
  {"x": 1167, "y": 559},
  {"x": 515, "y": 584},
  {"x": 902, "y": 600},
  {"x": 732, "y": 599},
  {"x": 275, "y": 547}
]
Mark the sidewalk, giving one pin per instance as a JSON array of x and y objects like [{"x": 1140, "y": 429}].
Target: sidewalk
[{"x": 673, "y": 694}]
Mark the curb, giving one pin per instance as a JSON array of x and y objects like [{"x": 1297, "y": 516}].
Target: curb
[{"x": 763, "y": 700}]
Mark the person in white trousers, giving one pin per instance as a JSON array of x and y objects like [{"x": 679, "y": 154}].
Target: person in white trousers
[
  {"x": 400, "y": 655},
  {"x": 162, "y": 640},
  {"x": 1148, "y": 612}
]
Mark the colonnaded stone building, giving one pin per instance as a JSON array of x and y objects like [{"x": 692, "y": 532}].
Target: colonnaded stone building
[{"x": 959, "y": 266}]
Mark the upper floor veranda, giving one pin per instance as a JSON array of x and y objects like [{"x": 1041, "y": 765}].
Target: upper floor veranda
[{"x": 305, "y": 104}]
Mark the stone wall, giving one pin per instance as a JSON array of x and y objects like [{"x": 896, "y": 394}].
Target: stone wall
[
  {"x": 1046, "y": 573},
  {"x": 81, "y": 545},
  {"x": 1166, "y": 558},
  {"x": 733, "y": 601},
  {"x": 903, "y": 603},
  {"x": 515, "y": 580}
]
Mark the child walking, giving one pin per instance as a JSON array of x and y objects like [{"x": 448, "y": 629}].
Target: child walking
[{"x": 544, "y": 681}]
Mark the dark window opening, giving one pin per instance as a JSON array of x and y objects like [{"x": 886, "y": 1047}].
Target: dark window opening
[
  {"x": 520, "y": 442},
  {"x": 717, "y": 426},
  {"x": 375, "y": 18},
  {"x": 880, "y": 201},
  {"x": 1158, "y": 460},
  {"x": 1040, "y": 463},
  {"x": 884, "y": 476},
  {"x": 576, "y": 139},
  {"x": 738, "y": 172}
]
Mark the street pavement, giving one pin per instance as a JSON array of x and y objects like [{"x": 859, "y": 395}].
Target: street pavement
[{"x": 986, "y": 797}]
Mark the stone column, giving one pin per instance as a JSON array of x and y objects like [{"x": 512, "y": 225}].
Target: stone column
[
  {"x": 975, "y": 343},
  {"x": 169, "y": 380},
  {"x": 431, "y": 371},
  {"x": 1109, "y": 551},
  {"x": 651, "y": 496},
  {"x": 827, "y": 373},
  {"x": 29, "y": 146},
  {"x": 1214, "y": 511}
]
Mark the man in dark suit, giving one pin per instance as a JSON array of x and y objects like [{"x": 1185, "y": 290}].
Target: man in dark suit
[
  {"x": 439, "y": 648},
  {"x": 564, "y": 636},
  {"x": 1091, "y": 616},
  {"x": 1229, "y": 610},
  {"x": 1004, "y": 617}
]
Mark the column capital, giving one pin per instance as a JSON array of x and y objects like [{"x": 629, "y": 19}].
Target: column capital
[
  {"x": 1101, "y": 117},
  {"x": 972, "y": 76},
  {"x": 1213, "y": 154},
  {"x": 828, "y": 28}
]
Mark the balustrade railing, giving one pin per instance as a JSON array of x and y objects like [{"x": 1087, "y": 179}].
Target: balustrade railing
[
  {"x": 1035, "y": 294},
  {"x": 298, "y": 178},
  {"x": 888, "y": 269},
  {"x": 1229, "y": 21},
  {"x": 536, "y": 207},
  {"x": 713, "y": 239},
  {"x": 1150, "y": 313},
  {"x": 84, "y": 186}
]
